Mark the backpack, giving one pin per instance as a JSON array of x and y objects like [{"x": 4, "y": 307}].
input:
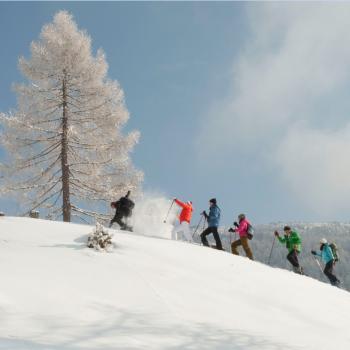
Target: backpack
[
  {"x": 250, "y": 231},
  {"x": 126, "y": 206},
  {"x": 334, "y": 250},
  {"x": 128, "y": 203}
]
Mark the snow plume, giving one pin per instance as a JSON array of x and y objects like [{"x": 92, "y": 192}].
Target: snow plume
[
  {"x": 287, "y": 108},
  {"x": 149, "y": 215}
]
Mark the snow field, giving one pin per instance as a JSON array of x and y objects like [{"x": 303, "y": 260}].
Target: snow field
[{"x": 154, "y": 293}]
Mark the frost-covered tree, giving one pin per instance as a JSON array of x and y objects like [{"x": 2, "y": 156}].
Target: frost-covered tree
[{"x": 64, "y": 142}]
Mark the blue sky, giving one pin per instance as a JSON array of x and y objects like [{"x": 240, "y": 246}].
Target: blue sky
[{"x": 245, "y": 102}]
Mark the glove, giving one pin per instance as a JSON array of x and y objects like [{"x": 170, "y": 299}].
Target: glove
[
  {"x": 276, "y": 233},
  {"x": 174, "y": 198},
  {"x": 231, "y": 230},
  {"x": 235, "y": 223},
  {"x": 203, "y": 213},
  {"x": 313, "y": 252}
]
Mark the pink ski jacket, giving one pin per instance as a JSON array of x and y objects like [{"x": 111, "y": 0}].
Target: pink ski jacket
[{"x": 243, "y": 228}]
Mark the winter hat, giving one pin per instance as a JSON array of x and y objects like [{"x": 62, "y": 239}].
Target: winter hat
[
  {"x": 286, "y": 228},
  {"x": 241, "y": 216},
  {"x": 213, "y": 200},
  {"x": 189, "y": 202},
  {"x": 323, "y": 241}
]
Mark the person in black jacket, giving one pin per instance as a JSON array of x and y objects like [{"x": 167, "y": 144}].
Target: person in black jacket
[{"x": 123, "y": 209}]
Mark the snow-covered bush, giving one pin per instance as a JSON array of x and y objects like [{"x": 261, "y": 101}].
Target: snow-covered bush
[{"x": 99, "y": 238}]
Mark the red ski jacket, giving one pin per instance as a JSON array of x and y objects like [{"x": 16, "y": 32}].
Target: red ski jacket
[{"x": 186, "y": 212}]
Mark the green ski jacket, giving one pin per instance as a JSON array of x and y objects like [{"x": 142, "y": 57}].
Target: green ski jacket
[{"x": 292, "y": 241}]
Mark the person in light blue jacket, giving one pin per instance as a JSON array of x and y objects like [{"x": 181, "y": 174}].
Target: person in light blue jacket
[
  {"x": 327, "y": 256},
  {"x": 213, "y": 223}
]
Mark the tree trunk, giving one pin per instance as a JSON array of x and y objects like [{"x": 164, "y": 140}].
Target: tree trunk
[{"x": 66, "y": 207}]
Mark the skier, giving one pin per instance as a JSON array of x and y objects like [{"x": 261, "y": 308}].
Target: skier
[
  {"x": 329, "y": 260},
  {"x": 123, "y": 209},
  {"x": 242, "y": 230},
  {"x": 185, "y": 219},
  {"x": 293, "y": 244},
  {"x": 213, "y": 222}
]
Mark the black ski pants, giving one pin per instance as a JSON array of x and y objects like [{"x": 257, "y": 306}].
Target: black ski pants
[
  {"x": 328, "y": 271},
  {"x": 292, "y": 257},
  {"x": 118, "y": 218},
  {"x": 214, "y": 231}
]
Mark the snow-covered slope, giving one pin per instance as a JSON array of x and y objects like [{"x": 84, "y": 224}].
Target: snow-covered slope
[{"x": 151, "y": 293}]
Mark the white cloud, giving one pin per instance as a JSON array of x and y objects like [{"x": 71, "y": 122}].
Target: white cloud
[
  {"x": 315, "y": 165},
  {"x": 295, "y": 67}
]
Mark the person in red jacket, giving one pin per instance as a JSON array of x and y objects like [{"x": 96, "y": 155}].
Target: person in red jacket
[{"x": 185, "y": 220}]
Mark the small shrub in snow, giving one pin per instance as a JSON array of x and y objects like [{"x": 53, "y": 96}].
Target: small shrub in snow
[{"x": 99, "y": 238}]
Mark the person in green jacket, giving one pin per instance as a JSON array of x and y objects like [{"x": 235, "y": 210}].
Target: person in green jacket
[{"x": 292, "y": 241}]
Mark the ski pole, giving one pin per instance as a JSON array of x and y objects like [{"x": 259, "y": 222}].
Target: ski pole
[
  {"x": 273, "y": 243},
  {"x": 166, "y": 218},
  {"x": 318, "y": 263},
  {"x": 195, "y": 231},
  {"x": 204, "y": 223}
]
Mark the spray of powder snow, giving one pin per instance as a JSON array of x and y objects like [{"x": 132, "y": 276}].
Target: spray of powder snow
[{"x": 149, "y": 214}]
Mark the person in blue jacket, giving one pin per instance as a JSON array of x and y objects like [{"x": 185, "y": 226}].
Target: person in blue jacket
[
  {"x": 213, "y": 223},
  {"x": 326, "y": 255}
]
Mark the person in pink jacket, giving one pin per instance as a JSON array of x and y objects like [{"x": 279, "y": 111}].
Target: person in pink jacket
[{"x": 242, "y": 229}]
